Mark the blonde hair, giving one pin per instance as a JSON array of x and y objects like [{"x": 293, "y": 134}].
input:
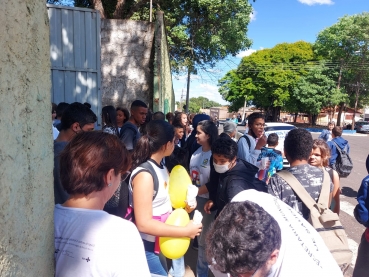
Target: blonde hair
[{"x": 324, "y": 150}]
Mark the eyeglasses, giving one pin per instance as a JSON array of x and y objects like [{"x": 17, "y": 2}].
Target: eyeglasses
[
  {"x": 125, "y": 175},
  {"x": 260, "y": 124}
]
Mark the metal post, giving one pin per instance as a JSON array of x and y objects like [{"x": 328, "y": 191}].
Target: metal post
[
  {"x": 188, "y": 89},
  {"x": 150, "y": 10}
]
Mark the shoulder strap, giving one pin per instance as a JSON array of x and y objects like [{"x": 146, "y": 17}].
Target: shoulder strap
[
  {"x": 151, "y": 169},
  {"x": 301, "y": 191},
  {"x": 339, "y": 148},
  {"x": 247, "y": 141},
  {"x": 324, "y": 193}
]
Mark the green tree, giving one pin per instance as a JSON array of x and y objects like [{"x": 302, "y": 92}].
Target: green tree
[
  {"x": 268, "y": 76},
  {"x": 315, "y": 91},
  {"x": 346, "y": 45},
  {"x": 197, "y": 103}
]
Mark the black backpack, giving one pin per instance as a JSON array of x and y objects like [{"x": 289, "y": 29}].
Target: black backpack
[
  {"x": 129, "y": 127},
  {"x": 343, "y": 164},
  {"x": 118, "y": 204}
]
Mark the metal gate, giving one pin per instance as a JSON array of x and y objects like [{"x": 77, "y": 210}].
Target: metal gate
[{"x": 75, "y": 56}]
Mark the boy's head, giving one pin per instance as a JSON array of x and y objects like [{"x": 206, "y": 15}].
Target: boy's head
[
  {"x": 297, "y": 145},
  {"x": 337, "y": 131},
  {"x": 272, "y": 140},
  {"x": 178, "y": 131}
]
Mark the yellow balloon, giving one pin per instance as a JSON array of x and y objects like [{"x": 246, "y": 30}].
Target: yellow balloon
[
  {"x": 174, "y": 248},
  {"x": 178, "y": 183}
]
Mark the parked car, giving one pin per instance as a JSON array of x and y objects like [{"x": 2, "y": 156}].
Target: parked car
[
  {"x": 362, "y": 126},
  {"x": 359, "y": 126}
]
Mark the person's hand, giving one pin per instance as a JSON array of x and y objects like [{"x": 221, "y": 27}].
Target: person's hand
[
  {"x": 193, "y": 230},
  {"x": 261, "y": 142},
  {"x": 189, "y": 209},
  {"x": 208, "y": 205}
]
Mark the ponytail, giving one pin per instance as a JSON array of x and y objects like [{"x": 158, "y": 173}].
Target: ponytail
[
  {"x": 158, "y": 134},
  {"x": 141, "y": 152}
]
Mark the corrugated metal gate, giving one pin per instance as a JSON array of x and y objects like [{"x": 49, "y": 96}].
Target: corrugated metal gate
[{"x": 75, "y": 56}]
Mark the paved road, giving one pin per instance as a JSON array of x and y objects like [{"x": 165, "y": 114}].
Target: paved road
[{"x": 358, "y": 152}]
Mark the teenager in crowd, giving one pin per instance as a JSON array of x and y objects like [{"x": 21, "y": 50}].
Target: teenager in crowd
[
  {"x": 89, "y": 241},
  {"x": 250, "y": 144},
  {"x": 122, "y": 116},
  {"x": 320, "y": 157},
  {"x": 129, "y": 133},
  {"x": 109, "y": 120},
  {"x": 77, "y": 118},
  {"x": 326, "y": 134},
  {"x": 231, "y": 176},
  {"x": 150, "y": 214},
  {"x": 206, "y": 134},
  {"x": 259, "y": 235}
]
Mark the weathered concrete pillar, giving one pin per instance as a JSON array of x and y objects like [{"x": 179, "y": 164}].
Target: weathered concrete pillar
[{"x": 26, "y": 157}]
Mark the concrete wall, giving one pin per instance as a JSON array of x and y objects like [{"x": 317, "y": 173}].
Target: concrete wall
[
  {"x": 26, "y": 157},
  {"x": 126, "y": 61}
]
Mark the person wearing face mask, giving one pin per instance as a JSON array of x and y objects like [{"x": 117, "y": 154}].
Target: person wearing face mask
[{"x": 231, "y": 175}]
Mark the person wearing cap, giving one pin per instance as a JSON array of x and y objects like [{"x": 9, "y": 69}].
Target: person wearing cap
[
  {"x": 326, "y": 134},
  {"x": 230, "y": 128}
]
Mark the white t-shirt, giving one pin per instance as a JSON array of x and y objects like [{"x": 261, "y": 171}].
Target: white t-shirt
[
  {"x": 95, "y": 243},
  {"x": 161, "y": 204},
  {"x": 303, "y": 251},
  {"x": 200, "y": 168}
]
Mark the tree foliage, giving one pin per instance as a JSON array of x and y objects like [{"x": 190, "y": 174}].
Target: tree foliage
[
  {"x": 268, "y": 76},
  {"x": 315, "y": 91},
  {"x": 197, "y": 103},
  {"x": 346, "y": 45}
]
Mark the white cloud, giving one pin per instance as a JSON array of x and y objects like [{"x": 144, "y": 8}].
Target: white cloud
[
  {"x": 316, "y": 2},
  {"x": 245, "y": 53},
  {"x": 253, "y": 15}
]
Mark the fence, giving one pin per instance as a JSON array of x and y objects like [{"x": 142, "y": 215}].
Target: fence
[{"x": 75, "y": 56}]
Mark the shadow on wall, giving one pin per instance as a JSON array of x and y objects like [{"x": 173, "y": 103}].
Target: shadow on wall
[{"x": 127, "y": 58}]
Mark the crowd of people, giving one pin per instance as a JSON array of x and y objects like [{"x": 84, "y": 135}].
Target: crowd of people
[{"x": 112, "y": 200}]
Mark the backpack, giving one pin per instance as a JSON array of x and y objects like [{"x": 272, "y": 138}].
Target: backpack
[
  {"x": 118, "y": 204},
  {"x": 247, "y": 141},
  {"x": 343, "y": 164},
  {"x": 130, "y": 127},
  {"x": 326, "y": 222}
]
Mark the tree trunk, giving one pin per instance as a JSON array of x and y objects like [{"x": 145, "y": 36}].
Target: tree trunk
[
  {"x": 342, "y": 105},
  {"x": 313, "y": 119},
  {"x": 357, "y": 93},
  {"x": 295, "y": 119},
  {"x": 97, "y": 5},
  {"x": 338, "y": 123},
  {"x": 118, "y": 13}
]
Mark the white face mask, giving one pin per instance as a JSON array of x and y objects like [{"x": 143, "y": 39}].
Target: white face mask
[{"x": 221, "y": 168}]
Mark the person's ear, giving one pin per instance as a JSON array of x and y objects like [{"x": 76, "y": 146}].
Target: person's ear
[
  {"x": 75, "y": 127},
  {"x": 273, "y": 257},
  {"x": 109, "y": 177}
]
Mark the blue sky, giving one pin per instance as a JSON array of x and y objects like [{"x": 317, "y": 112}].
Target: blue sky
[{"x": 273, "y": 22}]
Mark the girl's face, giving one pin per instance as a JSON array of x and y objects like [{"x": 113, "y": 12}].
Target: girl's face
[
  {"x": 201, "y": 137},
  {"x": 120, "y": 117},
  {"x": 258, "y": 127},
  {"x": 179, "y": 133},
  {"x": 315, "y": 158},
  {"x": 184, "y": 119}
]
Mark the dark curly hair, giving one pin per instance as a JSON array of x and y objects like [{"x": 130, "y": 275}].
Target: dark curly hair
[
  {"x": 242, "y": 238},
  {"x": 225, "y": 146},
  {"x": 298, "y": 144}
]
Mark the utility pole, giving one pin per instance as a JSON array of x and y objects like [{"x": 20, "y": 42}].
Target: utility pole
[{"x": 188, "y": 89}]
